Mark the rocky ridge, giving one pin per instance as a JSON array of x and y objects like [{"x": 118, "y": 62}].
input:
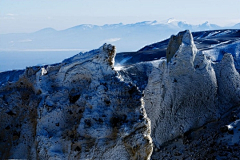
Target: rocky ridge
[
  {"x": 185, "y": 92},
  {"x": 214, "y": 44},
  {"x": 184, "y": 106},
  {"x": 78, "y": 109}
]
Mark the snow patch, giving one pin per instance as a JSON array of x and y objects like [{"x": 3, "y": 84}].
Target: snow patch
[
  {"x": 43, "y": 71},
  {"x": 118, "y": 67},
  {"x": 232, "y": 135}
]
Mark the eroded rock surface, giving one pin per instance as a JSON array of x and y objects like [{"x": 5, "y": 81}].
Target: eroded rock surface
[
  {"x": 83, "y": 108},
  {"x": 185, "y": 92},
  {"x": 78, "y": 109}
]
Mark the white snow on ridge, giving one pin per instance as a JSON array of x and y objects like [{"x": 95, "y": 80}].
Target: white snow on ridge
[
  {"x": 118, "y": 66},
  {"x": 232, "y": 137},
  {"x": 171, "y": 20},
  {"x": 124, "y": 60},
  {"x": 212, "y": 33},
  {"x": 217, "y": 51},
  {"x": 219, "y": 44},
  {"x": 225, "y": 32}
]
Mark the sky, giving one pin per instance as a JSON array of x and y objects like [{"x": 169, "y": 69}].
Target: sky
[{"x": 26, "y": 16}]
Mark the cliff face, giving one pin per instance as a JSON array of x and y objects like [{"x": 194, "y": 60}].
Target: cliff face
[
  {"x": 78, "y": 109},
  {"x": 184, "y": 93},
  {"x": 83, "y": 108},
  {"x": 189, "y": 91}
]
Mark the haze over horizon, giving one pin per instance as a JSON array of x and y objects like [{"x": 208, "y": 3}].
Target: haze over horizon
[{"x": 30, "y": 16}]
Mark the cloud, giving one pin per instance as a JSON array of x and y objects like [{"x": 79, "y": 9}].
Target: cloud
[
  {"x": 11, "y": 14},
  {"x": 25, "y": 40},
  {"x": 112, "y": 40}
]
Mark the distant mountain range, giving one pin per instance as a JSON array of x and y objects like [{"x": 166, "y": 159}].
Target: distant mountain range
[{"x": 126, "y": 37}]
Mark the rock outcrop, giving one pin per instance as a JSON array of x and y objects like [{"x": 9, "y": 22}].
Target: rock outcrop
[
  {"x": 183, "y": 106},
  {"x": 213, "y": 43},
  {"x": 78, "y": 109},
  {"x": 185, "y": 92},
  {"x": 173, "y": 45}
]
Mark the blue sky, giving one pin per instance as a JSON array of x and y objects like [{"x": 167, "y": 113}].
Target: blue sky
[{"x": 32, "y": 15}]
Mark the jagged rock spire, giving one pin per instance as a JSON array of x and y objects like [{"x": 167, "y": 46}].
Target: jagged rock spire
[{"x": 175, "y": 42}]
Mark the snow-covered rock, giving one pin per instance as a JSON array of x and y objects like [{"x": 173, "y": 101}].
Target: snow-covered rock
[
  {"x": 214, "y": 44},
  {"x": 185, "y": 91},
  {"x": 78, "y": 109},
  {"x": 183, "y": 106}
]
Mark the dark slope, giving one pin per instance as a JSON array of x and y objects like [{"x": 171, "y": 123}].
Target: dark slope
[{"x": 204, "y": 40}]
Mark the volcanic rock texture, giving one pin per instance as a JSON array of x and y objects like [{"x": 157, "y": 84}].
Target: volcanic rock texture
[
  {"x": 187, "y": 92},
  {"x": 78, "y": 109},
  {"x": 184, "y": 106}
]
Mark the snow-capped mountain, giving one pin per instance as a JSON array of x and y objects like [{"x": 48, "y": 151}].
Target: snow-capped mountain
[
  {"x": 236, "y": 26},
  {"x": 87, "y": 36}
]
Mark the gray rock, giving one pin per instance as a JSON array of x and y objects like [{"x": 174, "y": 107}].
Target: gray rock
[
  {"x": 173, "y": 45},
  {"x": 78, "y": 109},
  {"x": 186, "y": 91},
  {"x": 83, "y": 108}
]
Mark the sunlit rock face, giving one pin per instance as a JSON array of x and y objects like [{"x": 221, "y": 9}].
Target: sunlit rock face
[
  {"x": 184, "y": 92},
  {"x": 78, "y": 109},
  {"x": 185, "y": 95}
]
